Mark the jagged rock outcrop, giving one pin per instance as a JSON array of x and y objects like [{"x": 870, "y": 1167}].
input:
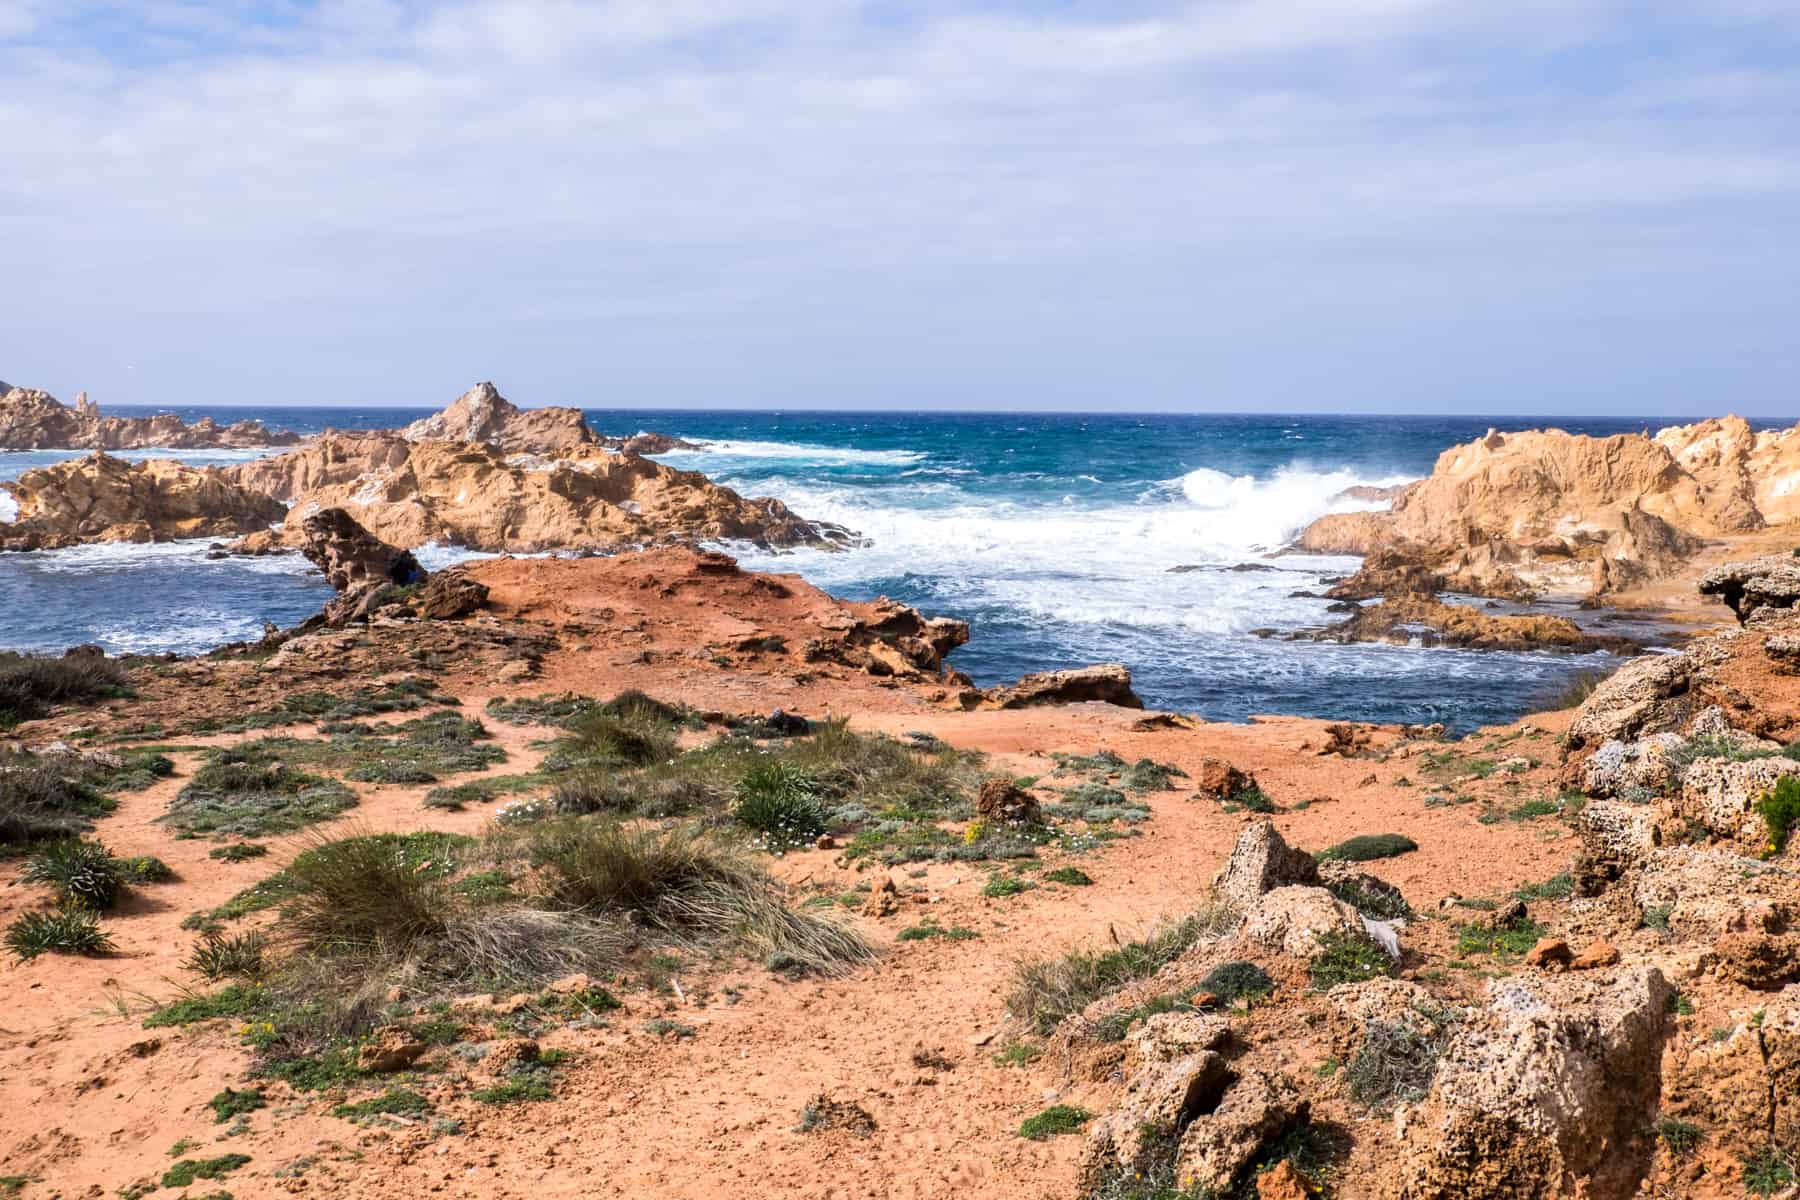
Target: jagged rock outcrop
[
  {"x": 1770, "y": 583},
  {"x": 482, "y": 414},
  {"x": 1409, "y": 618},
  {"x": 474, "y": 494},
  {"x": 104, "y": 499},
  {"x": 1260, "y": 862},
  {"x": 1548, "y": 1091},
  {"x": 1105, "y": 683},
  {"x": 351, "y": 557},
  {"x": 35, "y": 420},
  {"x": 1547, "y": 512}
]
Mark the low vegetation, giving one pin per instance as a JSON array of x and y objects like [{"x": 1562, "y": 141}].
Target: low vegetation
[
  {"x": 1780, "y": 811},
  {"x": 1368, "y": 847},
  {"x": 69, "y": 931},
  {"x": 1348, "y": 958},
  {"x": 1046, "y": 991},
  {"x": 250, "y": 792},
  {"x": 32, "y": 684},
  {"x": 1054, "y": 1121}
]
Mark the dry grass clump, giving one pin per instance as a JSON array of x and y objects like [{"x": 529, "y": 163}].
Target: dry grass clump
[
  {"x": 41, "y": 798},
  {"x": 1047, "y": 991},
  {"x": 361, "y": 914},
  {"x": 30, "y": 684}
]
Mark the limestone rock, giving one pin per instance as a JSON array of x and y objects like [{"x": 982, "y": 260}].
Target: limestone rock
[
  {"x": 1106, "y": 683},
  {"x": 1219, "y": 779},
  {"x": 1547, "y": 512},
  {"x": 1254, "y": 1110},
  {"x": 477, "y": 495},
  {"x": 1175, "y": 1070},
  {"x": 1771, "y": 582},
  {"x": 1293, "y": 919},
  {"x": 1721, "y": 795},
  {"x": 104, "y": 499},
  {"x": 1744, "y": 1090},
  {"x": 1544, "y": 1093},
  {"x": 449, "y": 595},
  {"x": 1261, "y": 862},
  {"x": 1644, "y": 696},
  {"x": 389, "y": 1050},
  {"x": 1615, "y": 838},
  {"x": 1409, "y": 619}
]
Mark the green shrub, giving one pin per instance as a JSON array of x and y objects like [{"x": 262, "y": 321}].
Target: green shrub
[
  {"x": 1780, "y": 811},
  {"x": 1767, "y": 1172},
  {"x": 1380, "y": 903},
  {"x": 1252, "y": 797},
  {"x": 396, "y": 1101},
  {"x": 1557, "y": 887},
  {"x": 238, "y": 1000},
  {"x": 1071, "y": 876},
  {"x": 781, "y": 802},
  {"x": 370, "y": 895},
  {"x": 625, "y": 739},
  {"x": 228, "y": 1104},
  {"x": 1681, "y": 1137},
  {"x": 1348, "y": 958},
  {"x": 238, "y": 852},
  {"x": 83, "y": 874},
  {"x": 1368, "y": 847},
  {"x": 1506, "y": 943},
  {"x": 999, "y": 886},
  {"x": 1238, "y": 980},
  {"x": 188, "y": 1170},
  {"x": 930, "y": 930},
  {"x": 31, "y": 684},
  {"x": 1054, "y": 1121},
  {"x": 1147, "y": 776},
  {"x": 1396, "y": 1062},
  {"x": 70, "y": 931},
  {"x": 145, "y": 868},
  {"x": 222, "y": 956},
  {"x": 521, "y": 1088}
]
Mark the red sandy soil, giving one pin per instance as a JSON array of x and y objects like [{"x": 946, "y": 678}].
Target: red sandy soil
[{"x": 93, "y": 1101}]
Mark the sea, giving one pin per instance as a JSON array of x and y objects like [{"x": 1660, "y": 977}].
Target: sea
[{"x": 1063, "y": 539}]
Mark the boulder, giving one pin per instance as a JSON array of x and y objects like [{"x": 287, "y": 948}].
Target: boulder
[
  {"x": 1743, "y": 1089},
  {"x": 387, "y": 1050},
  {"x": 1721, "y": 794},
  {"x": 1748, "y": 587},
  {"x": 1219, "y": 779},
  {"x": 1760, "y": 948},
  {"x": 999, "y": 799},
  {"x": 1646, "y": 695},
  {"x": 1409, "y": 619},
  {"x": 104, "y": 499},
  {"x": 482, "y": 414},
  {"x": 1261, "y": 862},
  {"x": 1107, "y": 683},
  {"x": 1293, "y": 919},
  {"x": 1546, "y": 1092},
  {"x": 1697, "y": 891},
  {"x": 350, "y": 556},
  {"x": 1619, "y": 768},
  {"x": 1616, "y": 838},
  {"x": 1255, "y": 1110},
  {"x": 1175, "y": 1071},
  {"x": 450, "y": 594}
]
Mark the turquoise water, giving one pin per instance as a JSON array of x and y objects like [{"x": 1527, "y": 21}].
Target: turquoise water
[{"x": 1055, "y": 536}]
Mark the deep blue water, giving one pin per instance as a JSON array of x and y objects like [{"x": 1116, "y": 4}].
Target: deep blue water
[{"x": 1054, "y": 535}]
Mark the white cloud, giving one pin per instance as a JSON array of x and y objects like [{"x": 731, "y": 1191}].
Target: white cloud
[{"x": 761, "y": 169}]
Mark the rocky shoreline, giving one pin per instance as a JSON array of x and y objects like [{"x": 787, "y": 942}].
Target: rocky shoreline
[
  {"x": 1554, "y": 958},
  {"x": 35, "y": 420}
]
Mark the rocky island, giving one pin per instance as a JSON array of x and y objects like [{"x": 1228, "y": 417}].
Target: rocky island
[{"x": 36, "y": 420}]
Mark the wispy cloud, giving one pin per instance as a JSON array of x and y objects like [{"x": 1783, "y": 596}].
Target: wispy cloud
[{"x": 1293, "y": 203}]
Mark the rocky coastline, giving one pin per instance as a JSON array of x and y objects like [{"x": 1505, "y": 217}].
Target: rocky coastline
[{"x": 35, "y": 420}]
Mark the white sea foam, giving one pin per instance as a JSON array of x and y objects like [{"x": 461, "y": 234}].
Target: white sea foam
[
  {"x": 9, "y": 508},
  {"x": 1101, "y": 565},
  {"x": 828, "y": 456},
  {"x": 116, "y": 556}
]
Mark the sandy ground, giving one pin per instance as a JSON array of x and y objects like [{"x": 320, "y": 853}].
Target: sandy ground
[{"x": 92, "y": 1101}]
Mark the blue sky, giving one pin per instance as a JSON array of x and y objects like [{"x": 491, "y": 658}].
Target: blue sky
[{"x": 1578, "y": 206}]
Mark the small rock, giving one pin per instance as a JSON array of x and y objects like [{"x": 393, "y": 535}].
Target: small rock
[
  {"x": 1601, "y": 954},
  {"x": 387, "y": 1050},
  {"x": 1550, "y": 954}
]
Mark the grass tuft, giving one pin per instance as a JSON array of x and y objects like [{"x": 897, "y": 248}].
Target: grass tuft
[
  {"x": 71, "y": 931},
  {"x": 1054, "y": 1121},
  {"x": 1368, "y": 847}
]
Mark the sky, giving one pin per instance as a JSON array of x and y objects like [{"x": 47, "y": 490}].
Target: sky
[{"x": 1446, "y": 206}]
